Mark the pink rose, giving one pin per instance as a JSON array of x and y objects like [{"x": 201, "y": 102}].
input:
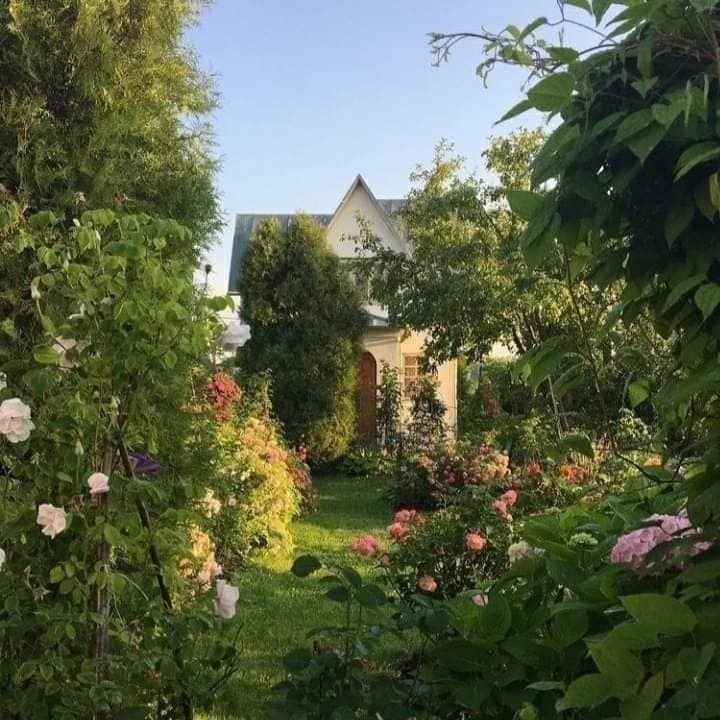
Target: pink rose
[
  {"x": 509, "y": 497},
  {"x": 52, "y": 519},
  {"x": 475, "y": 542},
  {"x": 365, "y": 545},
  {"x": 501, "y": 508},
  {"x": 99, "y": 483},
  {"x": 427, "y": 584},
  {"x": 227, "y": 597},
  {"x": 481, "y": 599},
  {"x": 402, "y": 516},
  {"x": 398, "y": 531}
]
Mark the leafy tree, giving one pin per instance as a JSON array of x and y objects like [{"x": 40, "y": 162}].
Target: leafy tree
[
  {"x": 101, "y": 105},
  {"x": 307, "y": 323},
  {"x": 389, "y": 406}
]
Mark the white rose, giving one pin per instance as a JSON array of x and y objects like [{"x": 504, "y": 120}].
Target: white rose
[
  {"x": 99, "y": 483},
  {"x": 227, "y": 597},
  {"x": 53, "y": 519},
  {"x": 15, "y": 422},
  {"x": 3, "y": 381},
  {"x": 2, "y": 558},
  {"x": 235, "y": 335}
]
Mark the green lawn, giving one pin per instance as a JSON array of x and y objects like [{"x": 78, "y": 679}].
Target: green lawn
[{"x": 279, "y": 609}]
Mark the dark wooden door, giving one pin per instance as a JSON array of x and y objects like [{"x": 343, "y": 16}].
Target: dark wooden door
[{"x": 367, "y": 379}]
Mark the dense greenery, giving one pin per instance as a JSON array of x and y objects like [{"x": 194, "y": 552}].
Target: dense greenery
[{"x": 307, "y": 323}]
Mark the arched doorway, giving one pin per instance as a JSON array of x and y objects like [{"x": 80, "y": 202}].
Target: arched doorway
[{"x": 367, "y": 381}]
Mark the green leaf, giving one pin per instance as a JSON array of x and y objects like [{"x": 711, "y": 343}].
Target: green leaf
[
  {"x": 530, "y": 28},
  {"x": 586, "y": 692},
  {"x": 46, "y": 355},
  {"x": 43, "y": 219},
  {"x": 538, "y": 237},
  {"x": 569, "y": 627},
  {"x": 371, "y": 596},
  {"x": 515, "y": 110},
  {"x": 552, "y": 93},
  {"x": 297, "y": 659},
  {"x": 644, "y": 56},
  {"x": 638, "y": 392},
  {"x": 579, "y": 443},
  {"x": 305, "y": 565},
  {"x": 677, "y": 220},
  {"x": 642, "y": 705},
  {"x": 662, "y": 613},
  {"x": 339, "y": 593},
  {"x": 632, "y": 636},
  {"x": 632, "y": 125},
  {"x": 707, "y": 298},
  {"x": 473, "y": 694},
  {"x": 459, "y": 655},
  {"x": 57, "y": 574},
  {"x": 570, "y": 379},
  {"x": 646, "y": 141},
  {"x": 112, "y": 535},
  {"x": 665, "y": 114},
  {"x": 25, "y": 671},
  {"x": 600, "y": 7},
  {"x": 495, "y": 619},
  {"x": 624, "y": 669},
  {"x": 694, "y": 156},
  {"x": 582, "y": 4},
  {"x": 526, "y": 204},
  {"x": 681, "y": 288}
]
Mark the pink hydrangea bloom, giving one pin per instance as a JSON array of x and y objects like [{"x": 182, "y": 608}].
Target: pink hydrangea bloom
[
  {"x": 475, "y": 542},
  {"x": 365, "y": 545},
  {"x": 427, "y": 584},
  {"x": 633, "y": 547}
]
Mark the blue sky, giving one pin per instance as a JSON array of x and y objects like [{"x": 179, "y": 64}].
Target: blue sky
[{"x": 313, "y": 92}]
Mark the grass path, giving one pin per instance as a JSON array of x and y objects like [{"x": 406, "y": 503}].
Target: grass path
[{"x": 278, "y": 609}]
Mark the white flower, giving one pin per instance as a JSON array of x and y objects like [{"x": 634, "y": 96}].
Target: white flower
[
  {"x": 210, "y": 570},
  {"x": 235, "y": 335},
  {"x": 99, "y": 483},
  {"x": 3, "y": 381},
  {"x": 210, "y": 504},
  {"x": 15, "y": 422},
  {"x": 62, "y": 346},
  {"x": 53, "y": 519},
  {"x": 2, "y": 558},
  {"x": 227, "y": 597},
  {"x": 520, "y": 550}
]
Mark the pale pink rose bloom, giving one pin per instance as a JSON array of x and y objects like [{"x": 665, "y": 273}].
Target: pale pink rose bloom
[
  {"x": 227, "y": 597},
  {"x": 365, "y": 545},
  {"x": 99, "y": 483},
  {"x": 501, "y": 508},
  {"x": 427, "y": 584},
  {"x": 398, "y": 531},
  {"x": 52, "y": 519},
  {"x": 402, "y": 516},
  {"x": 509, "y": 497},
  {"x": 209, "y": 571},
  {"x": 481, "y": 599},
  {"x": 475, "y": 542},
  {"x": 15, "y": 422}
]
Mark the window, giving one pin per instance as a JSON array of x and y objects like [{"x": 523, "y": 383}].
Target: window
[{"x": 412, "y": 372}]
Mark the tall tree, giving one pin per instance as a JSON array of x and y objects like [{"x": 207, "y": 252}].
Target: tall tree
[
  {"x": 307, "y": 323},
  {"x": 102, "y": 104}
]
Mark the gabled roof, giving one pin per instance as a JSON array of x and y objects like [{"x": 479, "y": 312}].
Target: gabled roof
[{"x": 245, "y": 225}]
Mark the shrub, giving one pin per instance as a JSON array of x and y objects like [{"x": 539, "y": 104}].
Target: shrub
[
  {"x": 366, "y": 463},
  {"x": 427, "y": 414},
  {"x": 389, "y": 406}
]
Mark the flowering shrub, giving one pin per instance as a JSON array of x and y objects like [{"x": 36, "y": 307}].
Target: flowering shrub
[{"x": 223, "y": 393}]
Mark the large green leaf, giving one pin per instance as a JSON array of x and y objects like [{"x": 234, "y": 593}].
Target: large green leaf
[
  {"x": 305, "y": 565},
  {"x": 641, "y": 706},
  {"x": 646, "y": 141},
  {"x": 552, "y": 93},
  {"x": 695, "y": 155},
  {"x": 707, "y": 298},
  {"x": 526, "y": 204},
  {"x": 677, "y": 220},
  {"x": 633, "y": 124},
  {"x": 624, "y": 669},
  {"x": 638, "y": 391},
  {"x": 661, "y": 613},
  {"x": 586, "y": 692},
  {"x": 681, "y": 288},
  {"x": 515, "y": 110}
]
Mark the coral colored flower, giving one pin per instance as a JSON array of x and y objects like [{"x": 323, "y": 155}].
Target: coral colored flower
[
  {"x": 427, "y": 584},
  {"x": 475, "y": 542},
  {"x": 509, "y": 497},
  {"x": 398, "y": 531},
  {"x": 365, "y": 545},
  {"x": 52, "y": 519},
  {"x": 99, "y": 483},
  {"x": 15, "y": 422},
  {"x": 227, "y": 597},
  {"x": 572, "y": 473},
  {"x": 534, "y": 469},
  {"x": 501, "y": 508},
  {"x": 481, "y": 599}
]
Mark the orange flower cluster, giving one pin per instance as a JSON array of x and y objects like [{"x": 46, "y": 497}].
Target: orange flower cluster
[{"x": 572, "y": 473}]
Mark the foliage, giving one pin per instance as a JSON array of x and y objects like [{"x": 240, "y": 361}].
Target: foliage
[
  {"x": 102, "y": 105},
  {"x": 121, "y": 340},
  {"x": 389, "y": 407},
  {"x": 307, "y": 325},
  {"x": 426, "y": 425},
  {"x": 364, "y": 462}
]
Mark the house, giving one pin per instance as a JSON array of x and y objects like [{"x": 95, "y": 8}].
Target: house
[{"x": 382, "y": 342}]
